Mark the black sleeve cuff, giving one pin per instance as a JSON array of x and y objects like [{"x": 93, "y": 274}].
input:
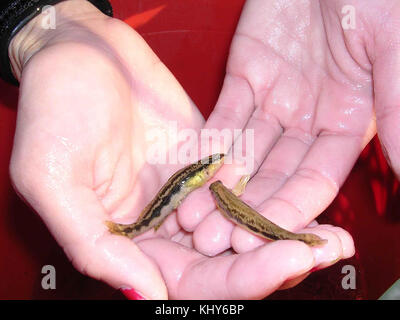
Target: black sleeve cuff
[{"x": 15, "y": 14}]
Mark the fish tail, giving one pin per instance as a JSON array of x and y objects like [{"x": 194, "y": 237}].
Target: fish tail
[
  {"x": 121, "y": 229},
  {"x": 311, "y": 239}
]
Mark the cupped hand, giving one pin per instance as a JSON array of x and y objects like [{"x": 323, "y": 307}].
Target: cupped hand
[
  {"x": 88, "y": 99},
  {"x": 313, "y": 80},
  {"x": 90, "y": 93}
]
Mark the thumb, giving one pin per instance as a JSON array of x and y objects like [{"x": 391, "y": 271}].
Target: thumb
[{"x": 76, "y": 218}]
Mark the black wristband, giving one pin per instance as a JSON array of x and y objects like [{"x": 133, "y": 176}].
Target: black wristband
[{"x": 15, "y": 14}]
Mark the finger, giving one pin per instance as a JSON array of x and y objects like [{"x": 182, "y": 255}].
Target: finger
[
  {"x": 348, "y": 251},
  {"x": 281, "y": 163},
  {"x": 293, "y": 282},
  {"x": 346, "y": 240},
  {"x": 315, "y": 183},
  {"x": 329, "y": 253},
  {"x": 76, "y": 218},
  {"x": 234, "y": 106},
  {"x": 195, "y": 207},
  {"x": 386, "y": 68},
  {"x": 252, "y": 275},
  {"x": 340, "y": 244},
  {"x": 232, "y": 111},
  {"x": 214, "y": 235}
]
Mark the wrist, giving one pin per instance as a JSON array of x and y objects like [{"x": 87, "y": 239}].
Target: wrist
[{"x": 36, "y": 34}]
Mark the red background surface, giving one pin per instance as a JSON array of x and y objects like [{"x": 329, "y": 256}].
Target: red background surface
[{"x": 192, "y": 38}]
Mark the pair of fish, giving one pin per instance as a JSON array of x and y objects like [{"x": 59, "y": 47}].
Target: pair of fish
[{"x": 194, "y": 176}]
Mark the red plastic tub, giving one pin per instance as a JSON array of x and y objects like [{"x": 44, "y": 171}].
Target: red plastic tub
[{"x": 192, "y": 38}]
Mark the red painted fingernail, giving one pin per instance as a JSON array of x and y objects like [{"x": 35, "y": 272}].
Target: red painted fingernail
[
  {"x": 314, "y": 269},
  {"x": 132, "y": 294}
]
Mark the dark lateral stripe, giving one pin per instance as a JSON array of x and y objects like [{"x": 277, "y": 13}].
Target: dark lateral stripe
[
  {"x": 165, "y": 195},
  {"x": 236, "y": 215},
  {"x": 181, "y": 176},
  {"x": 155, "y": 211},
  {"x": 172, "y": 187}
]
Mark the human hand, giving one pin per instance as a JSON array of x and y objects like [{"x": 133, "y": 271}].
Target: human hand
[
  {"x": 90, "y": 91},
  {"x": 314, "y": 94},
  {"x": 89, "y": 94}
]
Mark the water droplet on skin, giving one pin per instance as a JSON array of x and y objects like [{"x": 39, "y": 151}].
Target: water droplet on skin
[{"x": 349, "y": 111}]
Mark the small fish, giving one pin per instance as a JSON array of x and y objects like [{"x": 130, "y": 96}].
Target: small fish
[
  {"x": 240, "y": 213},
  {"x": 170, "y": 196}
]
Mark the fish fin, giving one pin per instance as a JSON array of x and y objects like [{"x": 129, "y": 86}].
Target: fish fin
[{"x": 241, "y": 185}]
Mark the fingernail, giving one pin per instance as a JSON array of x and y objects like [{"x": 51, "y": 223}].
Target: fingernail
[
  {"x": 132, "y": 294},
  {"x": 314, "y": 269}
]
